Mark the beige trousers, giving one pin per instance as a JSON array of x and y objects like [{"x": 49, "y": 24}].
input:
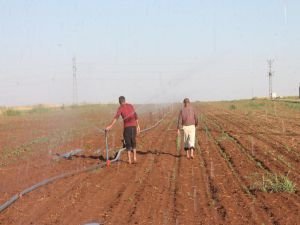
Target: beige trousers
[{"x": 189, "y": 133}]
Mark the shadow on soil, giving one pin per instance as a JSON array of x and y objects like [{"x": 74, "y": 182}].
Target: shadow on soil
[
  {"x": 153, "y": 152},
  {"x": 156, "y": 152},
  {"x": 101, "y": 158}
]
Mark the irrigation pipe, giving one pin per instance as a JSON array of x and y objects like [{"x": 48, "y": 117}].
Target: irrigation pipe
[
  {"x": 64, "y": 175},
  {"x": 45, "y": 182}
]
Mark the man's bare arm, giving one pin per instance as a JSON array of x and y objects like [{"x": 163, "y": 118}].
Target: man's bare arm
[
  {"x": 138, "y": 129},
  {"x": 111, "y": 124}
]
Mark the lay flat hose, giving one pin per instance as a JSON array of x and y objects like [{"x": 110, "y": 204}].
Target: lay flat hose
[
  {"x": 9, "y": 202},
  {"x": 64, "y": 175},
  {"x": 44, "y": 182}
]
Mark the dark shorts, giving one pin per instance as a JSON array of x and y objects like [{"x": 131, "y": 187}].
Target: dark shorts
[
  {"x": 130, "y": 138},
  {"x": 185, "y": 149}
]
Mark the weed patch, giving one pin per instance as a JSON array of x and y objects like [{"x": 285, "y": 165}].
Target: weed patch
[
  {"x": 292, "y": 105},
  {"x": 39, "y": 109},
  {"x": 232, "y": 107},
  {"x": 256, "y": 105},
  {"x": 272, "y": 183},
  {"x": 12, "y": 112}
]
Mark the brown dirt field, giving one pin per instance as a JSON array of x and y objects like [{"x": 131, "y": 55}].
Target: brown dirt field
[{"x": 163, "y": 187}]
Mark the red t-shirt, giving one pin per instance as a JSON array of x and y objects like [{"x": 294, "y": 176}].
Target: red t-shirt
[{"x": 128, "y": 114}]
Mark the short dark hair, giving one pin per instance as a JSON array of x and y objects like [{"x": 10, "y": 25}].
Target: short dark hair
[
  {"x": 186, "y": 100},
  {"x": 121, "y": 99}
]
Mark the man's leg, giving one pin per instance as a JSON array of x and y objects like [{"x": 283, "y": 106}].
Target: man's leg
[
  {"x": 129, "y": 156},
  {"x": 127, "y": 139},
  {"x": 192, "y": 134},
  {"x": 133, "y": 143},
  {"x": 134, "y": 155},
  {"x": 192, "y": 152},
  {"x": 188, "y": 153},
  {"x": 186, "y": 140}
]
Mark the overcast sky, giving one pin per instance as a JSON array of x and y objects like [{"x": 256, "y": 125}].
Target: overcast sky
[{"x": 149, "y": 51}]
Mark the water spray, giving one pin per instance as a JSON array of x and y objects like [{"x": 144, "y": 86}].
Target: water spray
[{"x": 14, "y": 198}]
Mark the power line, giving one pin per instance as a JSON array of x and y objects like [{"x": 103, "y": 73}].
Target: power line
[
  {"x": 75, "y": 90},
  {"x": 270, "y": 62}
]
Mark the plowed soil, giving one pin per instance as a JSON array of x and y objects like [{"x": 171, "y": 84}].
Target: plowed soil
[{"x": 164, "y": 187}]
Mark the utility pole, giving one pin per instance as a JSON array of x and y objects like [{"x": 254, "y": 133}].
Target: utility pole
[
  {"x": 75, "y": 91},
  {"x": 270, "y": 62}
]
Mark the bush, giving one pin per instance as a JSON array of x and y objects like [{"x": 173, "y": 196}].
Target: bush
[
  {"x": 232, "y": 107},
  {"x": 12, "y": 112},
  {"x": 39, "y": 109},
  {"x": 256, "y": 105},
  {"x": 293, "y": 105},
  {"x": 273, "y": 183}
]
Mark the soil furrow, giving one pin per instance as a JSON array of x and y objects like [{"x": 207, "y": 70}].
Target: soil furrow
[{"x": 220, "y": 173}]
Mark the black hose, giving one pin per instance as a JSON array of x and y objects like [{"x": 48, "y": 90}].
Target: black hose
[
  {"x": 64, "y": 175},
  {"x": 44, "y": 182}
]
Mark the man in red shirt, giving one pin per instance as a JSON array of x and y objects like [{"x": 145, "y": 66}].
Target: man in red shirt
[{"x": 131, "y": 126}]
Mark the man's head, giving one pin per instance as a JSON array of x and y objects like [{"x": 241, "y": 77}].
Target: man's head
[
  {"x": 121, "y": 100},
  {"x": 186, "y": 102}
]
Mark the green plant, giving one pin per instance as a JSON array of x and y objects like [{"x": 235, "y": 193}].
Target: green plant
[
  {"x": 74, "y": 106},
  {"x": 12, "y": 112},
  {"x": 224, "y": 136},
  {"x": 273, "y": 183},
  {"x": 293, "y": 105},
  {"x": 39, "y": 109},
  {"x": 232, "y": 107},
  {"x": 255, "y": 104}
]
